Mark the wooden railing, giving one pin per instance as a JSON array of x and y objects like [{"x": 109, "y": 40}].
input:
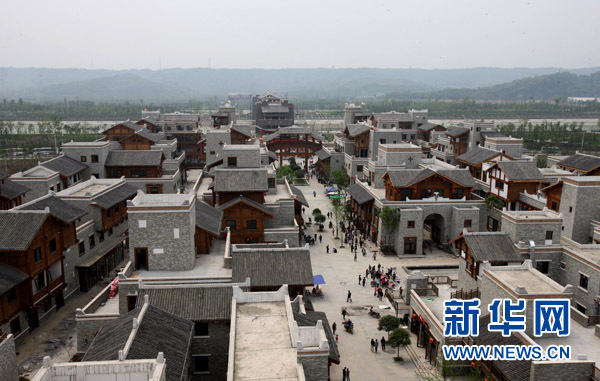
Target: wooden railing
[
  {"x": 431, "y": 290},
  {"x": 443, "y": 279},
  {"x": 462, "y": 294},
  {"x": 596, "y": 374}
]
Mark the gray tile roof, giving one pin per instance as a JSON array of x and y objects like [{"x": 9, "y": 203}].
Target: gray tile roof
[
  {"x": 273, "y": 267},
  {"x": 323, "y": 154},
  {"x": 11, "y": 190},
  {"x": 241, "y": 130},
  {"x": 241, "y": 180},
  {"x": 150, "y": 136},
  {"x": 128, "y": 124},
  {"x": 158, "y": 331},
  {"x": 492, "y": 246},
  {"x": 356, "y": 129},
  {"x": 18, "y": 228},
  {"x": 581, "y": 162},
  {"x": 292, "y": 130},
  {"x": 359, "y": 194},
  {"x": 517, "y": 370},
  {"x": 477, "y": 155},
  {"x": 248, "y": 201},
  {"x": 309, "y": 319},
  {"x": 272, "y": 155},
  {"x": 59, "y": 208},
  {"x": 115, "y": 196},
  {"x": 64, "y": 165},
  {"x": 520, "y": 170},
  {"x": 208, "y": 218},
  {"x": 4, "y": 175},
  {"x": 405, "y": 177},
  {"x": 131, "y": 158},
  {"x": 428, "y": 126},
  {"x": 191, "y": 303},
  {"x": 10, "y": 277},
  {"x": 457, "y": 131},
  {"x": 299, "y": 195}
]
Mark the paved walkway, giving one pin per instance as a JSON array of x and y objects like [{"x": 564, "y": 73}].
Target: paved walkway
[{"x": 341, "y": 274}]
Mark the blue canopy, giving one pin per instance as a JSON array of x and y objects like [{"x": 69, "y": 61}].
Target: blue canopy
[
  {"x": 318, "y": 279},
  {"x": 331, "y": 189}
]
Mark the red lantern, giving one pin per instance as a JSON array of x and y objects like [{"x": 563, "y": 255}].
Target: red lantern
[
  {"x": 473, "y": 364},
  {"x": 414, "y": 315},
  {"x": 431, "y": 340}
]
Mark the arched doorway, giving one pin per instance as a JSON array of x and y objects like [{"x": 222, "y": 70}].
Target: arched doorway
[{"x": 433, "y": 231}]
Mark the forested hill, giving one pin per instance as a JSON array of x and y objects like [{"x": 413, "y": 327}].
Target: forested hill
[
  {"x": 173, "y": 85},
  {"x": 547, "y": 87}
]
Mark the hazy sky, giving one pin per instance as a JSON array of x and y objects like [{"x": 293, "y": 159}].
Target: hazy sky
[{"x": 303, "y": 33}]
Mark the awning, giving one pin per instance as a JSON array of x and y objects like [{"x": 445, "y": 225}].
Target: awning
[
  {"x": 318, "y": 279},
  {"x": 331, "y": 189},
  {"x": 359, "y": 194}
]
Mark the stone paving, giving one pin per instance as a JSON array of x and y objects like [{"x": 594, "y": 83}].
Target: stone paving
[{"x": 340, "y": 272}]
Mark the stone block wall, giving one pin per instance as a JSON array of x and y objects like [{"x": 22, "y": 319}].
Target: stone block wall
[
  {"x": 280, "y": 236},
  {"x": 217, "y": 345},
  {"x": 570, "y": 275},
  {"x": 166, "y": 252},
  {"x": 403, "y": 231},
  {"x": 535, "y": 232},
  {"x": 579, "y": 206},
  {"x": 38, "y": 188},
  {"x": 8, "y": 359}
]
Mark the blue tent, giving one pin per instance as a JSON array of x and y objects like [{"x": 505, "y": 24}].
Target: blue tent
[
  {"x": 318, "y": 279},
  {"x": 331, "y": 189}
]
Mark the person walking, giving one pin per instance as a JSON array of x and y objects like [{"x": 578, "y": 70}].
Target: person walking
[
  {"x": 349, "y": 298},
  {"x": 355, "y": 260},
  {"x": 327, "y": 249},
  {"x": 382, "y": 343},
  {"x": 347, "y": 374},
  {"x": 320, "y": 238},
  {"x": 364, "y": 279},
  {"x": 344, "y": 313},
  {"x": 333, "y": 327},
  {"x": 344, "y": 374},
  {"x": 314, "y": 193},
  {"x": 359, "y": 279},
  {"x": 376, "y": 345},
  {"x": 374, "y": 255},
  {"x": 372, "y": 345}
]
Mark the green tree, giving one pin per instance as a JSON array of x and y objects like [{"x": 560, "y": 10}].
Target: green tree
[
  {"x": 399, "y": 338},
  {"x": 542, "y": 161},
  {"x": 388, "y": 323},
  {"x": 338, "y": 208},
  {"x": 341, "y": 179},
  {"x": 284, "y": 171},
  {"x": 493, "y": 202},
  {"x": 319, "y": 218},
  {"x": 390, "y": 219},
  {"x": 316, "y": 211}
]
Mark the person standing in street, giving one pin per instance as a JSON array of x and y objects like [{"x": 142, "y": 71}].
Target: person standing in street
[
  {"x": 372, "y": 345},
  {"x": 347, "y": 374},
  {"x": 344, "y": 374},
  {"x": 327, "y": 249},
  {"x": 355, "y": 257},
  {"x": 320, "y": 238},
  {"x": 349, "y": 298},
  {"x": 364, "y": 279},
  {"x": 314, "y": 193},
  {"x": 333, "y": 327},
  {"x": 383, "y": 343},
  {"x": 359, "y": 279},
  {"x": 376, "y": 345}
]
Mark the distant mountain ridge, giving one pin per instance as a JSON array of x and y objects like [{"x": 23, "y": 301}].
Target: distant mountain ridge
[{"x": 175, "y": 85}]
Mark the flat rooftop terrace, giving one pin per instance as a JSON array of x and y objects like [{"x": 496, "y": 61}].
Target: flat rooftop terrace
[
  {"x": 581, "y": 339},
  {"x": 589, "y": 252},
  {"x": 534, "y": 282},
  {"x": 205, "y": 266},
  {"x": 263, "y": 350}
]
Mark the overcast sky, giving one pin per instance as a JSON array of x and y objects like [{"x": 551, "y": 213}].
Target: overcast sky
[{"x": 303, "y": 33}]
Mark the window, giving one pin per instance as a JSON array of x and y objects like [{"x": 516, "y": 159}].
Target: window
[
  {"x": 542, "y": 267},
  {"x": 410, "y": 225},
  {"x": 583, "y": 281},
  {"x": 94, "y": 158},
  {"x": 468, "y": 223},
  {"x": 142, "y": 224},
  {"x": 12, "y": 295},
  {"x": 230, "y": 224},
  {"x": 359, "y": 168},
  {"x": 232, "y": 161},
  {"x": 549, "y": 235},
  {"x": 114, "y": 173},
  {"x": 39, "y": 282},
  {"x": 553, "y": 206},
  {"x": 83, "y": 159},
  {"x": 15, "y": 325},
  {"x": 384, "y": 125},
  {"x": 108, "y": 212},
  {"x": 251, "y": 224},
  {"x": 382, "y": 141},
  {"x": 143, "y": 173},
  {"x": 201, "y": 363},
  {"x": 153, "y": 190},
  {"x": 92, "y": 239},
  {"x": 457, "y": 193},
  {"x": 37, "y": 254},
  {"x": 581, "y": 308},
  {"x": 53, "y": 246},
  {"x": 176, "y": 233},
  {"x": 81, "y": 245},
  {"x": 570, "y": 209},
  {"x": 212, "y": 152},
  {"x": 563, "y": 266},
  {"x": 96, "y": 175},
  {"x": 116, "y": 208},
  {"x": 110, "y": 231},
  {"x": 426, "y": 193},
  {"x": 101, "y": 237},
  {"x": 200, "y": 329}
]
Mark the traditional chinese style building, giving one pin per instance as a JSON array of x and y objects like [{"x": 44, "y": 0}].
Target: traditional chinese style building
[
  {"x": 11, "y": 193},
  {"x": 271, "y": 112},
  {"x": 508, "y": 179}
]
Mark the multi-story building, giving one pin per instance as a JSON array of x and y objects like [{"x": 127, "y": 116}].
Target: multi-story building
[
  {"x": 271, "y": 112},
  {"x": 11, "y": 193},
  {"x": 225, "y": 116},
  {"x": 507, "y": 180}
]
